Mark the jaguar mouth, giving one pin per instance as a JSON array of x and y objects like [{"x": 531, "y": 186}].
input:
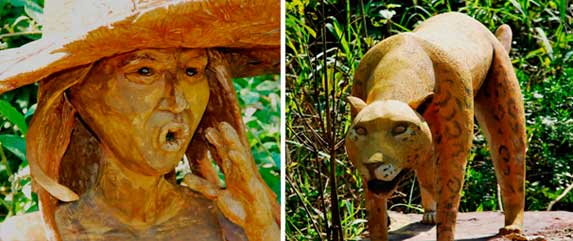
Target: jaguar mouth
[
  {"x": 172, "y": 136},
  {"x": 378, "y": 186}
]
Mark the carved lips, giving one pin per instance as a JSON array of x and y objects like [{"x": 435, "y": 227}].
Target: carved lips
[{"x": 172, "y": 136}]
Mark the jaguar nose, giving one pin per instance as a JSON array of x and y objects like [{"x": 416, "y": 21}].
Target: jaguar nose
[{"x": 376, "y": 158}]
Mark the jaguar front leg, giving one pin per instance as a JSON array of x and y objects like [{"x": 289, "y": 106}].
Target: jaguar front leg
[
  {"x": 451, "y": 120},
  {"x": 377, "y": 216},
  {"x": 425, "y": 174}
]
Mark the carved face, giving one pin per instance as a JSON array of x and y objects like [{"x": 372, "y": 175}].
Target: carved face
[
  {"x": 386, "y": 138},
  {"x": 145, "y": 105}
]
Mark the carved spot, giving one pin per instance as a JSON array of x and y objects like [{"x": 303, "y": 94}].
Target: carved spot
[
  {"x": 459, "y": 103},
  {"x": 438, "y": 139},
  {"x": 500, "y": 131},
  {"x": 454, "y": 130},
  {"x": 254, "y": 62},
  {"x": 521, "y": 187},
  {"x": 500, "y": 88},
  {"x": 499, "y": 113},
  {"x": 506, "y": 171},
  {"x": 446, "y": 97},
  {"x": 468, "y": 91},
  {"x": 454, "y": 185},
  {"x": 458, "y": 150},
  {"x": 512, "y": 108},
  {"x": 449, "y": 117},
  {"x": 504, "y": 153},
  {"x": 516, "y": 127}
]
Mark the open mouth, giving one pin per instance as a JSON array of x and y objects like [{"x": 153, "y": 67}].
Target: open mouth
[
  {"x": 385, "y": 187},
  {"x": 172, "y": 136}
]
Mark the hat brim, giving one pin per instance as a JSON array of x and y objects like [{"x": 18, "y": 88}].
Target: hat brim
[{"x": 249, "y": 33}]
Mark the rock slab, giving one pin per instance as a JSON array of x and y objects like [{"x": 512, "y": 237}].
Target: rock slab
[{"x": 484, "y": 226}]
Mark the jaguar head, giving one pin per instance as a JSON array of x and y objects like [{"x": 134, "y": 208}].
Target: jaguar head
[{"x": 386, "y": 139}]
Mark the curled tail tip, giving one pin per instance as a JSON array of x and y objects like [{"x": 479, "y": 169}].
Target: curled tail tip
[{"x": 504, "y": 35}]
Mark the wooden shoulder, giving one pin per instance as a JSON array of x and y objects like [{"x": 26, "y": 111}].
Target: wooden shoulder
[
  {"x": 231, "y": 231},
  {"x": 27, "y": 227}
]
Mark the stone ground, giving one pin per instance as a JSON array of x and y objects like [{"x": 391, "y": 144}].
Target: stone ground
[{"x": 483, "y": 226}]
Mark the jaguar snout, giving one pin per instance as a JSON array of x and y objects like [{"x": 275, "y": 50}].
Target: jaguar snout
[
  {"x": 379, "y": 169},
  {"x": 382, "y": 187}
]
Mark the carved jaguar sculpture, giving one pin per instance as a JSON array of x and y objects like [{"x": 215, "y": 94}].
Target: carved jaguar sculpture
[{"x": 413, "y": 102}]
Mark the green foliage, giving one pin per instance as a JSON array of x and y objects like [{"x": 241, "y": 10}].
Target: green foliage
[
  {"x": 258, "y": 96},
  {"x": 18, "y": 25},
  {"x": 325, "y": 42}
]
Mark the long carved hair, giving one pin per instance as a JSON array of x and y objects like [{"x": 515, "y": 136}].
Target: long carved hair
[{"x": 64, "y": 154}]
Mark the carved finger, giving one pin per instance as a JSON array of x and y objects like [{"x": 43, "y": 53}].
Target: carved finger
[
  {"x": 214, "y": 137},
  {"x": 198, "y": 184},
  {"x": 233, "y": 207},
  {"x": 240, "y": 155},
  {"x": 243, "y": 177},
  {"x": 230, "y": 136}
]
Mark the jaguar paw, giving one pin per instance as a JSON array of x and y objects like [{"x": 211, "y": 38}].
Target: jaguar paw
[
  {"x": 429, "y": 218},
  {"x": 510, "y": 229}
]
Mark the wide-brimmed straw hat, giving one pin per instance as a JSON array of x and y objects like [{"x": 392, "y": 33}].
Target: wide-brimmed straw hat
[{"x": 79, "y": 32}]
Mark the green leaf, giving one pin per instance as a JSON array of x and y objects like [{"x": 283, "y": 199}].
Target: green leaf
[
  {"x": 33, "y": 10},
  {"x": 14, "y": 144},
  {"x": 2, "y": 3},
  {"x": 18, "y": 3},
  {"x": 10, "y": 113},
  {"x": 272, "y": 180}
]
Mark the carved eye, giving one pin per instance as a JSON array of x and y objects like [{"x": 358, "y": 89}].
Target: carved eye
[
  {"x": 191, "y": 71},
  {"x": 145, "y": 71},
  {"x": 399, "y": 129},
  {"x": 360, "y": 130}
]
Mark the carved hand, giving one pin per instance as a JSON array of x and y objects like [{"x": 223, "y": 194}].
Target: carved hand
[{"x": 246, "y": 200}]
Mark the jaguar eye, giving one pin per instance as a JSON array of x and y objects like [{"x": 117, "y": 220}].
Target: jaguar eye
[
  {"x": 190, "y": 71},
  {"x": 399, "y": 129},
  {"x": 360, "y": 130},
  {"x": 145, "y": 71}
]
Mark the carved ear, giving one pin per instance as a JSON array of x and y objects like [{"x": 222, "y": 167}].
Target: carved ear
[
  {"x": 421, "y": 104},
  {"x": 356, "y": 103}
]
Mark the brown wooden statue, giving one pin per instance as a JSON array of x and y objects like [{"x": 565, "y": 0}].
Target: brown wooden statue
[{"x": 127, "y": 89}]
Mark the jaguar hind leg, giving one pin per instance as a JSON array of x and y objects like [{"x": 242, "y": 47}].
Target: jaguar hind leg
[{"x": 500, "y": 113}]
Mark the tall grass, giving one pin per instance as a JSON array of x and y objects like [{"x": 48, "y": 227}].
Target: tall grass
[{"x": 325, "y": 42}]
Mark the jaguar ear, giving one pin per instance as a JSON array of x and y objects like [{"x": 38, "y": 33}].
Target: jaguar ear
[{"x": 356, "y": 103}]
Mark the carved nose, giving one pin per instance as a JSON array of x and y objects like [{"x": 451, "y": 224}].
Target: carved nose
[{"x": 175, "y": 99}]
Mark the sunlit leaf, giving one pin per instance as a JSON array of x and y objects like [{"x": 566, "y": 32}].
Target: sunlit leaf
[
  {"x": 9, "y": 112},
  {"x": 14, "y": 144}
]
